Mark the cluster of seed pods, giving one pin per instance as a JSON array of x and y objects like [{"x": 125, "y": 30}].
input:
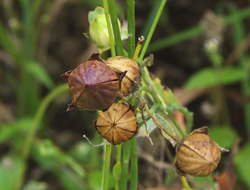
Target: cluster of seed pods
[{"x": 95, "y": 84}]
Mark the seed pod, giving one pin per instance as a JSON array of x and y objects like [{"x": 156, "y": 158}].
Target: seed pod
[
  {"x": 117, "y": 124},
  {"x": 92, "y": 85},
  {"x": 197, "y": 154},
  {"x": 122, "y": 64}
]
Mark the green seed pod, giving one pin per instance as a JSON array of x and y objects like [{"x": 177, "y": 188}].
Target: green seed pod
[{"x": 98, "y": 29}]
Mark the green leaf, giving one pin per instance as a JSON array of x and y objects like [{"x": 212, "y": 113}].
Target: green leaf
[
  {"x": 39, "y": 73},
  {"x": 166, "y": 125},
  {"x": 150, "y": 127},
  {"x": 209, "y": 77},
  {"x": 10, "y": 130},
  {"x": 70, "y": 180},
  {"x": 38, "y": 185},
  {"x": 166, "y": 93},
  {"x": 10, "y": 169},
  {"x": 223, "y": 135},
  {"x": 52, "y": 158},
  {"x": 242, "y": 164}
]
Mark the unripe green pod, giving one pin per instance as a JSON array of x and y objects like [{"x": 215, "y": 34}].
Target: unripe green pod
[{"x": 98, "y": 29}]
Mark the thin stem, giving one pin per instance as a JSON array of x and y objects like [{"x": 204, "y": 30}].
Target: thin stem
[
  {"x": 210, "y": 181},
  {"x": 176, "y": 125},
  {"x": 159, "y": 125},
  {"x": 152, "y": 29},
  {"x": 138, "y": 48},
  {"x": 134, "y": 165},
  {"x": 35, "y": 125},
  {"x": 106, "y": 166},
  {"x": 125, "y": 164},
  {"x": 131, "y": 27},
  {"x": 185, "y": 183},
  {"x": 115, "y": 27},
  {"x": 110, "y": 31},
  {"x": 119, "y": 153}
]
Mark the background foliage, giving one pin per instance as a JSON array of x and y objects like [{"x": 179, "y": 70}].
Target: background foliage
[{"x": 40, "y": 40}]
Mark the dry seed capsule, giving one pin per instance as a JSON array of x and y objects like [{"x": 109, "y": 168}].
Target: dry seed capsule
[
  {"x": 197, "y": 154},
  {"x": 117, "y": 124},
  {"x": 92, "y": 85},
  {"x": 122, "y": 64}
]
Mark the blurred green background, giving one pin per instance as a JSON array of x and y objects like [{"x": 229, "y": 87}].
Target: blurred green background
[{"x": 201, "y": 51}]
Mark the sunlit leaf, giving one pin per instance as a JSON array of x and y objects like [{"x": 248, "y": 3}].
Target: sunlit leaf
[
  {"x": 210, "y": 77},
  {"x": 223, "y": 135}
]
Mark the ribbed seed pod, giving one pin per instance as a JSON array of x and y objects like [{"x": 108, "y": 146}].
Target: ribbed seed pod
[
  {"x": 122, "y": 64},
  {"x": 197, "y": 154},
  {"x": 92, "y": 85},
  {"x": 117, "y": 124}
]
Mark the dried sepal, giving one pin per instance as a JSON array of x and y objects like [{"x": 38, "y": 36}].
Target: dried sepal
[{"x": 117, "y": 124}]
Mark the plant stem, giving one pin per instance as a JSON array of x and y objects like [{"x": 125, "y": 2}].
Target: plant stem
[
  {"x": 185, "y": 183},
  {"x": 111, "y": 38},
  {"x": 239, "y": 36},
  {"x": 106, "y": 166},
  {"x": 138, "y": 48},
  {"x": 210, "y": 181},
  {"x": 115, "y": 27},
  {"x": 119, "y": 153},
  {"x": 36, "y": 121},
  {"x": 131, "y": 27},
  {"x": 152, "y": 29},
  {"x": 159, "y": 125},
  {"x": 194, "y": 31},
  {"x": 125, "y": 164},
  {"x": 134, "y": 165}
]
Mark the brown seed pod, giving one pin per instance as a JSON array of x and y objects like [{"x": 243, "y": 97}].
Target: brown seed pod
[
  {"x": 117, "y": 124},
  {"x": 93, "y": 85},
  {"x": 197, "y": 154},
  {"x": 122, "y": 64}
]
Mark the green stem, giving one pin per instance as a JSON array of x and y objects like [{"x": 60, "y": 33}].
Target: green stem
[
  {"x": 35, "y": 125},
  {"x": 110, "y": 31},
  {"x": 152, "y": 29},
  {"x": 185, "y": 183},
  {"x": 188, "y": 115},
  {"x": 115, "y": 26},
  {"x": 210, "y": 181},
  {"x": 194, "y": 31},
  {"x": 131, "y": 27},
  {"x": 134, "y": 165},
  {"x": 119, "y": 153},
  {"x": 125, "y": 164},
  {"x": 239, "y": 36},
  {"x": 106, "y": 167},
  {"x": 170, "y": 116}
]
